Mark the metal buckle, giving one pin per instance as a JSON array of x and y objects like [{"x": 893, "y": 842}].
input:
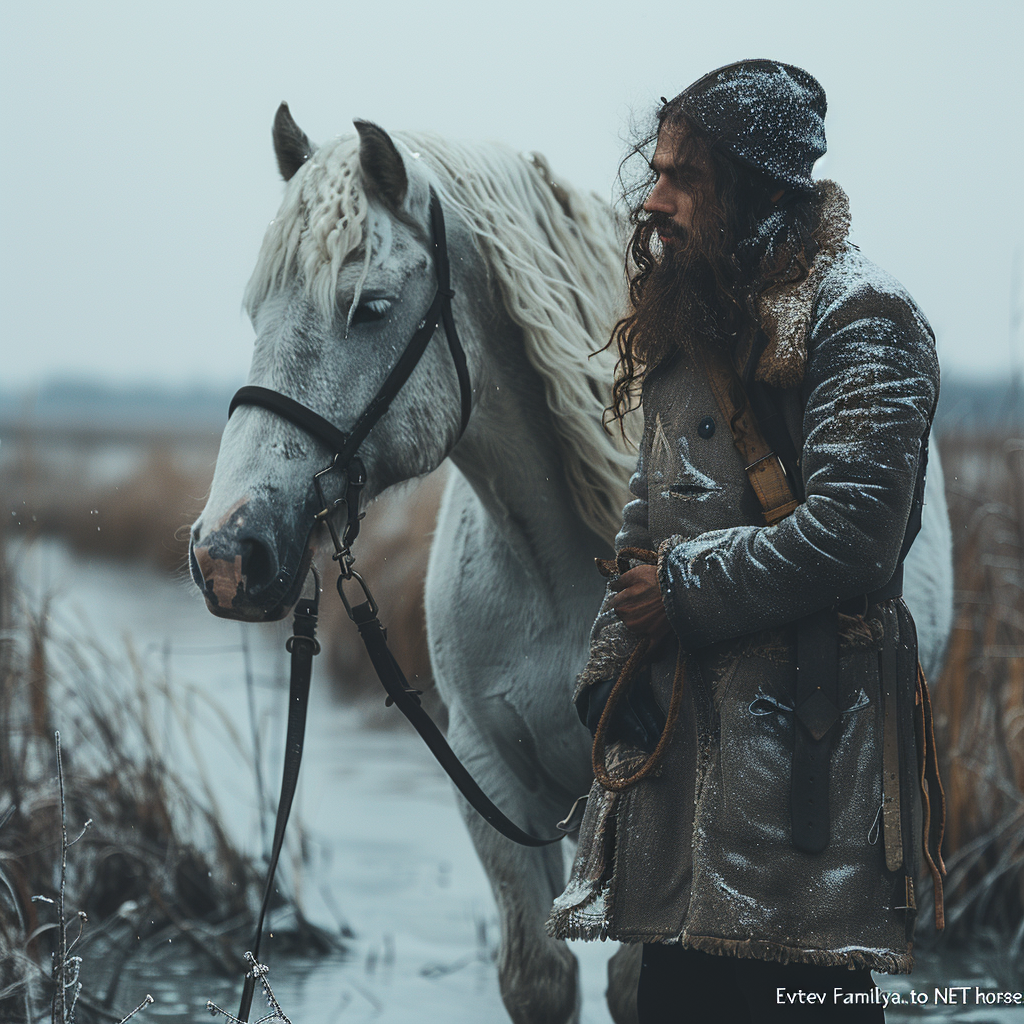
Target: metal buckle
[
  {"x": 765, "y": 458},
  {"x": 353, "y": 575},
  {"x": 343, "y": 544},
  {"x": 328, "y": 508},
  {"x": 289, "y": 644}
]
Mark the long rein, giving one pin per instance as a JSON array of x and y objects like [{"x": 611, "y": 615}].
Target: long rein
[{"x": 303, "y": 645}]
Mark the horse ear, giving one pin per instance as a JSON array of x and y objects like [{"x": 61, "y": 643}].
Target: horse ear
[
  {"x": 382, "y": 165},
  {"x": 291, "y": 145}
]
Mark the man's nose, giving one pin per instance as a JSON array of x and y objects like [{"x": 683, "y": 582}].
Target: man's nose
[{"x": 659, "y": 200}]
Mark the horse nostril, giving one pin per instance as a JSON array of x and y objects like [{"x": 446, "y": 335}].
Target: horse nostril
[{"x": 259, "y": 566}]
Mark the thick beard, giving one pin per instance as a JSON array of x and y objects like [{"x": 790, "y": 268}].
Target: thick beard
[{"x": 681, "y": 306}]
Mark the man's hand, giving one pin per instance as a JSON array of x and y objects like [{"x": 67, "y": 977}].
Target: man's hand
[{"x": 638, "y": 602}]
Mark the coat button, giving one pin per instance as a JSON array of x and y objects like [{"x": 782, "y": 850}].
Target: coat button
[{"x": 706, "y": 427}]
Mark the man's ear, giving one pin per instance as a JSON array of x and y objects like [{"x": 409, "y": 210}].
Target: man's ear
[
  {"x": 291, "y": 145},
  {"x": 382, "y": 165}
]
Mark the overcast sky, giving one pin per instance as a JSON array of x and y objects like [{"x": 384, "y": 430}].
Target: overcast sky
[{"x": 138, "y": 174}]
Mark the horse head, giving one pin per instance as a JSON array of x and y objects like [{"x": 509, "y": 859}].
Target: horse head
[{"x": 344, "y": 277}]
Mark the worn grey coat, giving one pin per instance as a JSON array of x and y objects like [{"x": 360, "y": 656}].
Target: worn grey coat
[{"x": 701, "y": 853}]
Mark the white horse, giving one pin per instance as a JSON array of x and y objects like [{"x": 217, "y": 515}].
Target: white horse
[{"x": 343, "y": 278}]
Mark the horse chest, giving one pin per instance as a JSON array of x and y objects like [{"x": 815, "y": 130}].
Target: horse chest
[{"x": 494, "y": 618}]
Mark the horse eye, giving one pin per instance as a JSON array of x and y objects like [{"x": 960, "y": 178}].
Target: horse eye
[{"x": 370, "y": 312}]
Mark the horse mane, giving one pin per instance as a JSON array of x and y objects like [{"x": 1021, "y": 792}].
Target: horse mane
[{"x": 555, "y": 253}]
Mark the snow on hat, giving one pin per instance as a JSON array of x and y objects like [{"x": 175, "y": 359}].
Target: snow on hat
[{"x": 768, "y": 115}]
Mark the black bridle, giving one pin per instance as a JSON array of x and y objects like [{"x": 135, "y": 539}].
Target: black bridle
[{"x": 303, "y": 644}]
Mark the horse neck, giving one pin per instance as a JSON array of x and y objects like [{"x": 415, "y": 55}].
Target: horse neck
[{"x": 510, "y": 456}]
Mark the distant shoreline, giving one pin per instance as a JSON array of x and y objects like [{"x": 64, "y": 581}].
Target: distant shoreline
[{"x": 105, "y": 411}]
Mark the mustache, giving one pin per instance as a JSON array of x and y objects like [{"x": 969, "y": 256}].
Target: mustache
[
  {"x": 666, "y": 229},
  {"x": 662, "y": 222}
]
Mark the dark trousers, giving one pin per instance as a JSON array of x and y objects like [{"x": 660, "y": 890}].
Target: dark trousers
[{"x": 683, "y": 986}]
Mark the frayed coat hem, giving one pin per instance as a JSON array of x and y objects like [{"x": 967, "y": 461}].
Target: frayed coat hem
[{"x": 571, "y": 926}]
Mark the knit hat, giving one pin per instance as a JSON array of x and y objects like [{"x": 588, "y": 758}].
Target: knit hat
[{"x": 768, "y": 115}]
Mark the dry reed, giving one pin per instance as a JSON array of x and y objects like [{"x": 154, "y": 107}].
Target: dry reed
[
  {"x": 139, "y": 514},
  {"x": 154, "y": 865}
]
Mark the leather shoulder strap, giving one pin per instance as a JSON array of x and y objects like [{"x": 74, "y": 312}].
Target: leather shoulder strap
[{"x": 763, "y": 466}]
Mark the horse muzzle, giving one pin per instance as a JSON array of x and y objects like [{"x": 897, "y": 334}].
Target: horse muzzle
[{"x": 242, "y": 571}]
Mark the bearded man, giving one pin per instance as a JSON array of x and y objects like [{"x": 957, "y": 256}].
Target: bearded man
[{"x": 761, "y": 724}]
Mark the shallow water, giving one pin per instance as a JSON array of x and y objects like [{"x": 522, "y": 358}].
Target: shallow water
[{"x": 391, "y": 859}]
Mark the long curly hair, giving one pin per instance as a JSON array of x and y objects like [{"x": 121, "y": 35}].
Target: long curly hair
[{"x": 749, "y": 232}]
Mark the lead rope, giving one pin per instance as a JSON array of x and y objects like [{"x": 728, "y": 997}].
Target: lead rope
[
  {"x": 303, "y": 647},
  {"x": 622, "y": 685}
]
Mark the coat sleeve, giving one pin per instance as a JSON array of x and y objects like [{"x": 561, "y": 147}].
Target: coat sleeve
[{"x": 870, "y": 387}]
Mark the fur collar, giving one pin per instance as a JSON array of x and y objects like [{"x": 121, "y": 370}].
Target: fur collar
[{"x": 785, "y": 311}]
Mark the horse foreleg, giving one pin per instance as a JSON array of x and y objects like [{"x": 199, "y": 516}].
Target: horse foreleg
[
  {"x": 537, "y": 974},
  {"x": 623, "y": 975}
]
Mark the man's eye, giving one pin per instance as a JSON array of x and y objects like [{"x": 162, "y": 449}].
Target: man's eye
[{"x": 370, "y": 312}]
